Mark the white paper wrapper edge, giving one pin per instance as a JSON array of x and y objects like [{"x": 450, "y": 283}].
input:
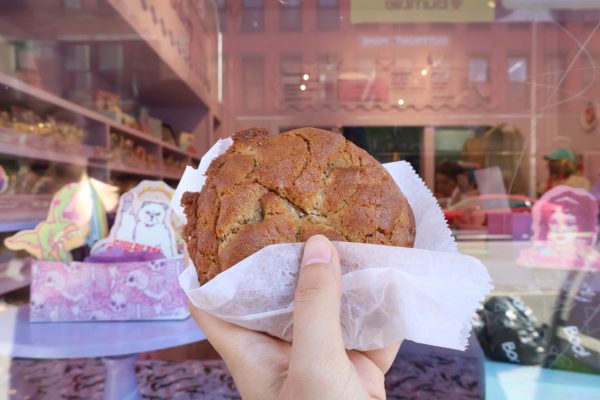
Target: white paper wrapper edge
[{"x": 193, "y": 179}]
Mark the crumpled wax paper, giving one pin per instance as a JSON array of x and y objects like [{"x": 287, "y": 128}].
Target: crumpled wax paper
[{"x": 427, "y": 294}]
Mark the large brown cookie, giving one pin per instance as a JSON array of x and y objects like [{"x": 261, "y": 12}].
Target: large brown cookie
[{"x": 285, "y": 188}]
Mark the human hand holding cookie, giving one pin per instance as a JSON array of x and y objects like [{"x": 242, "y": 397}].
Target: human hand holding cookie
[{"x": 315, "y": 365}]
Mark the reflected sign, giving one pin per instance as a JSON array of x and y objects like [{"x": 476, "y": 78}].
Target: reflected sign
[
  {"x": 557, "y": 4},
  {"x": 365, "y": 11}
]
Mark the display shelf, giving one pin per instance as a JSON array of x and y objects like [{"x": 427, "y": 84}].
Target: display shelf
[
  {"x": 49, "y": 98},
  {"x": 97, "y": 127},
  {"x": 172, "y": 175},
  {"x": 143, "y": 136},
  {"x": 14, "y": 226},
  {"x": 126, "y": 169},
  {"x": 22, "y": 149},
  {"x": 175, "y": 149},
  {"x": 22, "y": 211}
]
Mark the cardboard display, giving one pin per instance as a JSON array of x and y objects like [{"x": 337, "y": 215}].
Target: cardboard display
[
  {"x": 74, "y": 210},
  {"x": 64, "y": 229},
  {"x": 144, "y": 221},
  {"x": 126, "y": 287}
]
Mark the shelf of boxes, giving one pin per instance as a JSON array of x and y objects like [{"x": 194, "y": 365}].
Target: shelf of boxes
[
  {"x": 95, "y": 153},
  {"x": 14, "y": 226},
  {"x": 22, "y": 149},
  {"x": 16, "y": 143}
]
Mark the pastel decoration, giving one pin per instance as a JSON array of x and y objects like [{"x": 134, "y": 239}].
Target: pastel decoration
[
  {"x": 4, "y": 180},
  {"x": 53, "y": 238},
  {"x": 144, "y": 221},
  {"x": 564, "y": 231},
  {"x": 98, "y": 223},
  {"x": 68, "y": 222}
]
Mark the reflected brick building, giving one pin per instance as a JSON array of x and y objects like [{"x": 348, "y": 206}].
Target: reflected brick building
[{"x": 293, "y": 63}]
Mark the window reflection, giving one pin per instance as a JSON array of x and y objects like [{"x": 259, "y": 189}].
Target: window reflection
[{"x": 494, "y": 103}]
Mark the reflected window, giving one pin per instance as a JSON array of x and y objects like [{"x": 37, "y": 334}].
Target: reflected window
[
  {"x": 478, "y": 69},
  {"x": 222, "y": 11},
  {"x": 253, "y": 82},
  {"x": 292, "y": 83},
  {"x": 290, "y": 16},
  {"x": 517, "y": 87},
  {"x": 554, "y": 76},
  {"x": 328, "y": 75},
  {"x": 77, "y": 57},
  {"x": 253, "y": 16},
  {"x": 402, "y": 73},
  {"x": 78, "y": 77},
  {"x": 25, "y": 56},
  {"x": 517, "y": 69},
  {"x": 328, "y": 15},
  {"x": 72, "y": 4},
  {"x": 110, "y": 57}
]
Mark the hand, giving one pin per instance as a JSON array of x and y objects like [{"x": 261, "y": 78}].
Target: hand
[{"x": 315, "y": 365}]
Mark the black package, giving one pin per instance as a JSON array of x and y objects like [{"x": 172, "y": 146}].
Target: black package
[
  {"x": 508, "y": 331},
  {"x": 574, "y": 343}
]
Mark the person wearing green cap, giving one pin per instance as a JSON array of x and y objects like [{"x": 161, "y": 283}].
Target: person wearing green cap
[{"x": 563, "y": 171}]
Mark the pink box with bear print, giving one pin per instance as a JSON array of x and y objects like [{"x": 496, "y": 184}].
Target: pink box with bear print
[{"x": 84, "y": 291}]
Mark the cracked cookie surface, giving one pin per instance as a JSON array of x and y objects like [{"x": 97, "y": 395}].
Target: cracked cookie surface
[{"x": 280, "y": 189}]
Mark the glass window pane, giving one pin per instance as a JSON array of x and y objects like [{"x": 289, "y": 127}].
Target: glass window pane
[
  {"x": 494, "y": 103},
  {"x": 110, "y": 57},
  {"x": 517, "y": 69},
  {"x": 328, "y": 19},
  {"x": 72, "y": 4},
  {"x": 290, "y": 19},
  {"x": 327, "y": 3},
  {"x": 478, "y": 69},
  {"x": 77, "y": 57},
  {"x": 252, "y": 20}
]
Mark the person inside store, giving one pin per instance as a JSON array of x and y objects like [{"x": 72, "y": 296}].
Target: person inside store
[
  {"x": 453, "y": 183},
  {"x": 503, "y": 147},
  {"x": 562, "y": 170},
  {"x": 315, "y": 365}
]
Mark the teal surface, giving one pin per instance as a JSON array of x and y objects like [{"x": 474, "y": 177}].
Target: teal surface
[{"x": 504, "y": 381}]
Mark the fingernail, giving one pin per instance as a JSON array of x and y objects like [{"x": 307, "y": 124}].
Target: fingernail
[{"x": 317, "y": 250}]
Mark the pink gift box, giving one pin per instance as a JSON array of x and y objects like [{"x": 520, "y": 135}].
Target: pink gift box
[
  {"x": 518, "y": 225},
  {"x": 84, "y": 291}
]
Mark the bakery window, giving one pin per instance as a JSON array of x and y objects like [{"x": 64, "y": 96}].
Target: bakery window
[
  {"x": 295, "y": 81},
  {"x": 290, "y": 16},
  {"x": 72, "y": 4},
  {"x": 328, "y": 65},
  {"x": 253, "y": 16},
  {"x": 478, "y": 69},
  {"x": 253, "y": 78},
  {"x": 222, "y": 9},
  {"x": 328, "y": 15},
  {"x": 493, "y": 104}
]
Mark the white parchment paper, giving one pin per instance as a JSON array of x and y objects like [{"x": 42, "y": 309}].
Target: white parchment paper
[{"x": 427, "y": 294}]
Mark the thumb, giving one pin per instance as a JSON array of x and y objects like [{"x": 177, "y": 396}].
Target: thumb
[{"x": 317, "y": 302}]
